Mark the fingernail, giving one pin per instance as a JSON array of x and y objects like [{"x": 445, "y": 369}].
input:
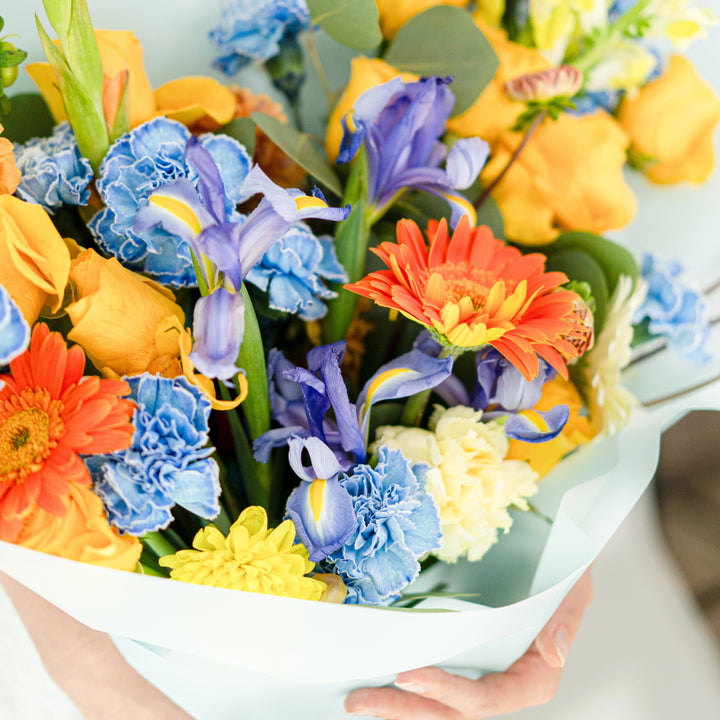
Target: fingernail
[
  {"x": 412, "y": 687},
  {"x": 562, "y": 646}
]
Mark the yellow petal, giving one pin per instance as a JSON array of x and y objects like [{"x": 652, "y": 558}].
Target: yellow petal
[{"x": 191, "y": 99}]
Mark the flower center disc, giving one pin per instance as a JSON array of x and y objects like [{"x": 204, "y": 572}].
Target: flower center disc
[{"x": 24, "y": 441}]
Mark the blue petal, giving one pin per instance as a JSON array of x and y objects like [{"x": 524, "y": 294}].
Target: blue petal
[
  {"x": 323, "y": 463},
  {"x": 465, "y": 161},
  {"x": 533, "y": 426}
]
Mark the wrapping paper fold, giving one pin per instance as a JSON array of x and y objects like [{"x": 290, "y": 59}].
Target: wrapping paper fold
[{"x": 222, "y": 653}]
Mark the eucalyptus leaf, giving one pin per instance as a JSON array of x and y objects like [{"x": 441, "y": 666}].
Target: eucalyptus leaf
[
  {"x": 579, "y": 265},
  {"x": 614, "y": 259},
  {"x": 242, "y": 130},
  {"x": 300, "y": 148},
  {"x": 354, "y": 23},
  {"x": 445, "y": 41},
  {"x": 28, "y": 118}
]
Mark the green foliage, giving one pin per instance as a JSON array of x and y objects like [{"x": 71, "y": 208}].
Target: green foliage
[
  {"x": 300, "y": 148},
  {"x": 353, "y": 23},
  {"x": 243, "y": 130},
  {"x": 10, "y": 58},
  {"x": 28, "y": 118},
  {"x": 445, "y": 41}
]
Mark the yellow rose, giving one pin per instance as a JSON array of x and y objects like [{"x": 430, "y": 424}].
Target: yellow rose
[
  {"x": 568, "y": 177},
  {"x": 672, "y": 119},
  {"x": 365, "y": 73},
  {"x": 121, "y": 318},
  {"x": 34, "y": 260},
  {"x": 82, "y": 534},
  {"x": 493, "y": 113},
  {"x": 186, "y": 100},
  {"x": 393, "y": 14},
  {"x": 544, "y": 456},
  {"x": 9, "y": 172}
]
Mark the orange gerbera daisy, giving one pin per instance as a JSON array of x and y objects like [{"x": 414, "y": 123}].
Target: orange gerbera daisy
[
  {"x": 473, "y": 290},
  {"x": 49, "y": 413}
]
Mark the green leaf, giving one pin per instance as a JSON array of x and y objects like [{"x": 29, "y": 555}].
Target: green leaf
[
  {"x": 614, "y": 259},
  {"x": 353, "y": 23},
  {"x": 445, "y": 41},
  {"x": 242, "y": 130},
  {"x": 489, "y": 214},
  {"x": 59, "y": 13},
  {"x": 28, "y": 118},
  {"x": 300, "y": 148},
  {"x": 351, "y": 241},
  {"x": 579, "y": 265},
  {"x": 121, "y": 124}
]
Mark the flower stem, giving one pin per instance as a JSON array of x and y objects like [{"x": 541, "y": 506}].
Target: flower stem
[
  {"x": 415, "y": 406},
  {"x": 680, "y": 393},
  {"x": 159, "y": 544},
  {"x": 318, "y": 67},
  {"x": 528, "y": 134}
]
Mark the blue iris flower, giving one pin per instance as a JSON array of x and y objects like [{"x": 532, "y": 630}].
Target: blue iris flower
[
  {"x": 320, "y": 508},
  {"x": 397, "y": 523},
  {"x": 250, "y": 30},
  {"x": 138, "y": 164},
  {"x": 400, "y": 124},
  {"x": 673, "y": 309},
  {"x": 293, "y": 273},
  {"x": 314, "y": 402},
  {"x": 54, "y": 173},
  {"x": 225, "y": 249},
  {"x": 14, "y": 329},
  {"x": 167, "y": 463}
]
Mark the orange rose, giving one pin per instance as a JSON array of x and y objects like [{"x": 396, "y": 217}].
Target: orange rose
[
  {"x": 544, "y": 456},
  {"x": 82, "y": 534},
  {"x": 365, "y": 73},
  {"x": 186, "y": 100},
  {"x": 671, "y": 120},
  {"x": 121, "y": 318},
  {"x": 493, "y": 112},
  {"x": 568, "y": 177},
  {"x": 34, "y": 260},
  {"x": 9, "y": 171}
]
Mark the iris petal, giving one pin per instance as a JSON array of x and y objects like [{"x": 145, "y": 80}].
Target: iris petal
[{"x": 534, "y": 426}]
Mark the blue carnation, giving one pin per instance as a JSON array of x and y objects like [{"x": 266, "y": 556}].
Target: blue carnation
[
  {"x": 54, "y": 173},
  {"x": 14, "y": 329},
  {"x": 167, "y": 463},
  {"x": 293, "y": 271},
  {"x": 673, "y": 309},
  {"x": 398, "y": 522},
  {"x": 141, "y": 161},
  {"x": 253, "y": 29}
]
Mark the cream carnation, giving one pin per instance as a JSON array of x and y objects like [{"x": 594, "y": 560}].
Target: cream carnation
[{"x": 469, "y": 479}]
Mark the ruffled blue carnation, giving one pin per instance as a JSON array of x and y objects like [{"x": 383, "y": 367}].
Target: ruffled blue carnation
[
  {"x": 14, "y": 329},
  {"x": 673, "y": 309},
  {"x": 149, "y": 156},
  {"x": 54, "y": 173},
  {"x": 293, "y": 271},
  {"x": 398, "y": 522},
  {"x": 253, "y": 29},
  {"x": 167, "y": 463}
]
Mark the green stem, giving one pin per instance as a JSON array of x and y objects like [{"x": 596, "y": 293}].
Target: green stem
[
  {"x": 416, "y": 404},
  {"x": 147, "y": 570},
  {"x": 319, "y": 69},
  {"x": 159, "y": 544},
  {"x": 528, "y": 134}
]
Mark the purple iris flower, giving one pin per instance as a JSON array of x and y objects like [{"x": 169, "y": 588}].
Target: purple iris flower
[
  {"x": 400, "y": 124},
  {"x": 320, "y": 508},
  {"x": 322, "y": 389},
  {"x": 225, "y": 251}
]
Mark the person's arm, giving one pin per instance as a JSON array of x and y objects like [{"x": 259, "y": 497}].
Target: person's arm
[
  {"x": 432, "y": 694},
  {"x": 86, "y": 665}
]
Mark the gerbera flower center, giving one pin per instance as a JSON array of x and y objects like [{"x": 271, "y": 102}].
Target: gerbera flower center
[
  {"x": 29, "y": 427},
  {"x": 464, "y": 281}
]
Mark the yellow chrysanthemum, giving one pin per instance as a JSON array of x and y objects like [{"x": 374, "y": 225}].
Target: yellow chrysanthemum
[{"x": 251, "y": 558}]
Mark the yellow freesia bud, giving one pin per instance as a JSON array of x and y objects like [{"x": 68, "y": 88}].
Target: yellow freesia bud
[
  {"x": 186, "y": 99},
  {"x": 568, "y": 177},
  {"x": 34, "y": 260},
  {"x": 672, "y": 120},
  {"x": 116, "y": 316},
  {"x": 82, "y": 534},
  {"x": 365, "y": 73},
  {"x": 393, "y": 14}
]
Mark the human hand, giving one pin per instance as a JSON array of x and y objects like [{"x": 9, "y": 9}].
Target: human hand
[{"x": 430, "y": 693}]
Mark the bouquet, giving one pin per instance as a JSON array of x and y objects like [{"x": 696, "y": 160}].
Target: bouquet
[{"x": 348, "y": 356}]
